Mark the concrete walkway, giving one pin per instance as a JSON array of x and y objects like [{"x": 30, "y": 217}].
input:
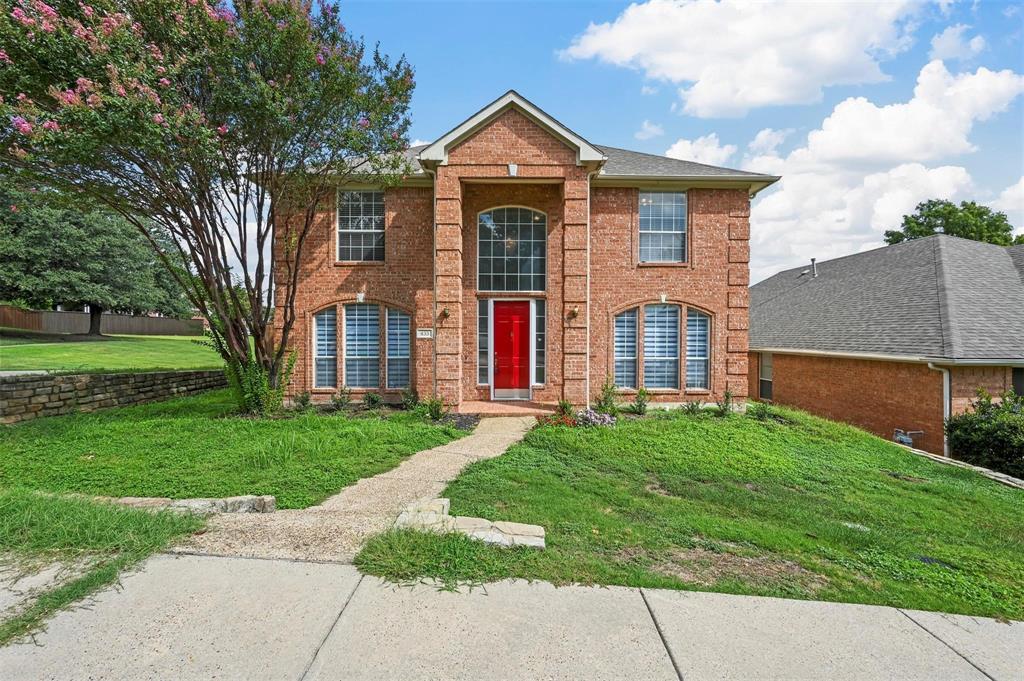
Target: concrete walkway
[
  {"x": 198, "y": 617},
  {"x": 336, "y": 529}
]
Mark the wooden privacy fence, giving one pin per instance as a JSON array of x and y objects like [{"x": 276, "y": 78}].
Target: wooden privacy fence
[{"x": 48, "y": 321}]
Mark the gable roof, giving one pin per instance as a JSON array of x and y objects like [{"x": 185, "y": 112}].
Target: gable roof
[
  {"x": 437, "y": 152},
  {"x": 936, "y": 298},
  {"x": 615, "y": 163}
]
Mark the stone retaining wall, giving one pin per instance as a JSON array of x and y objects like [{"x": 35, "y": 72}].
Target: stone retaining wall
[{"x": 32, "y": 395}]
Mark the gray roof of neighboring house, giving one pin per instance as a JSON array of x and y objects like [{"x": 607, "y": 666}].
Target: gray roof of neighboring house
[
  {"x": 622, "y": 163},
  {"x": 939, "y": 297}
]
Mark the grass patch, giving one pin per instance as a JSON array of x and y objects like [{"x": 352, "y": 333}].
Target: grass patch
[
  {"x": 113, "y": 353},
  {"x": 38, "y": 529},
  {"x": 792, "y": 506},
  {"x": 195, "y": 447}
]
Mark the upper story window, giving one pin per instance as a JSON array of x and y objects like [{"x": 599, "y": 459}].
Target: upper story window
[
  {"x": 662, "y": 227},
  {"x": 512, "y": 250},
  {"x": 361, "y": 226}
]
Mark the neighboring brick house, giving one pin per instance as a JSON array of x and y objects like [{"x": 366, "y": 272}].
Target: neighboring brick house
[
  {"x": 517, "y": 261},
  {"x": 895, "y": 338}
]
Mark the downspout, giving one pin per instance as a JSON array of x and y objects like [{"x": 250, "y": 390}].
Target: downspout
[
  {"x": 947, "y": 403},
  {"x": 586, "y": 382},
  {"x": 433, "y": 273}
]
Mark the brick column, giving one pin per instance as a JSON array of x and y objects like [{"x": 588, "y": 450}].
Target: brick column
[
  {"x": 448, "y": 284},
  {"x": 574, "y": 288},
  {"x": 738, "y": 322}
]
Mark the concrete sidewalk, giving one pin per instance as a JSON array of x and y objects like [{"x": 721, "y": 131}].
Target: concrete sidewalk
[{"x": 189, "y": 617}]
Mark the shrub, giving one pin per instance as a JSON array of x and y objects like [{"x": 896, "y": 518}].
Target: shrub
[
  {"x": 342, "y": 399},
  {"x": 251, "y": 385},
  {"x": 372, "y": 400},
  {"x": 565, "y": 408},
  {"x": 592, "y": 417},
  {"x": 410, "y": 400},
  {"x": 759, "y": 411},
  {"x": 303, "y": 401},
  {"x": 991, "y": 434},
  {"x": 557, "y": 419},
  {"x": 640, "y": 401},
  {"x": 725, "y": 405},
  {"x": 693, "y": 408},
  {"x": 435, "y": 408},
  {"x": 605, "y": 403}
]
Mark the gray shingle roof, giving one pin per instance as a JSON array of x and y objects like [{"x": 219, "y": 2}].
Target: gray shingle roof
[
  {"x": 939, "y": 297},
  {"x": 622, "y": 162}
]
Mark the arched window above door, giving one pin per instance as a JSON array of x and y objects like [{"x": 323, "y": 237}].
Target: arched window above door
[{"x": 512, "y": 249}]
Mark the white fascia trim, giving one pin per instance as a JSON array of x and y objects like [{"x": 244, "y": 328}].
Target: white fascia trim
[
  {"x": 882, "y": 357},
  {"x": 438, "y": 151},
  {"x": 753, "y": 185}
]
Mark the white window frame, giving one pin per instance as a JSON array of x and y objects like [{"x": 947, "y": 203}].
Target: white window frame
[
  {"x": 685, "y": 231},
  {"x": 547, "y": 226},
  {"x": 706, "y": 358},
  {"x": 680, "y": 339},
  {"x": 387, "y": 347},
  {"x": 636, "y": 348},
  {"x": 760, "y": 374},
  {"x": 344, "y": 352},
  {"x": 315, "y": 350},
  {"x": 337, "y": 224}
]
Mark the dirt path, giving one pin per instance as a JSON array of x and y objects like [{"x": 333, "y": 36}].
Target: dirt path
[{"x": 336, "y": 529}]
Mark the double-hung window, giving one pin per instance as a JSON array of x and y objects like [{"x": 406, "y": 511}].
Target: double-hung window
[
  {"x": 661, "y": 346},
  {"x": 325, "y": 349},
  {"x": 398, "y": 349},
  {"x": 662, "y": 227},
  {"x": 764, "y": 376},
  {"x": 361, "y": 226},
  {"x": 362, "y": 346}
]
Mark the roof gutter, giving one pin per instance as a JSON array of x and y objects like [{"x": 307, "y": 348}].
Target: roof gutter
[{"x": 883, "y": 357}]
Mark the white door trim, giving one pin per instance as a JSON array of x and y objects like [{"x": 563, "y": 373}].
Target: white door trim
[{"x": 532, "y": 341}]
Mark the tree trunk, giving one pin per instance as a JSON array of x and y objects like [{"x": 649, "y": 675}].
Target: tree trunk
[{"x": 95, "y": 318}]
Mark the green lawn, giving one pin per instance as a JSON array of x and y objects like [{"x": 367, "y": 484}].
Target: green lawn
[
  {"x": 115, "y": 353},
  {"x": 195, "y": 447},
  {"x": 100, "y": 540},
  {"x": 795, "y": 506}
]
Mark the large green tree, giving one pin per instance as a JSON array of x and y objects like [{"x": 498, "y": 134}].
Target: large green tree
[
  {"x": 51, "y": 255},
  {"x": 230, "y": 125},
  {"x": 969, "y": 220}
]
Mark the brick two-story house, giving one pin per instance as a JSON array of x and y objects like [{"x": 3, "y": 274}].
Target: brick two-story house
[{"x": 517, "y": 261}]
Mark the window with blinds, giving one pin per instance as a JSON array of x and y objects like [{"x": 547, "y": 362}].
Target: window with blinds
[
  {"x": 362, "y": 346},
  {"x": 625, "y": 349},
  {"x": 698, "y": 335},
  {"x": 661, "y": 346},
  {"x": 398, "y": 349},
  {"x": 325, "y": 349},
  {"x": 662, "y": 227}
]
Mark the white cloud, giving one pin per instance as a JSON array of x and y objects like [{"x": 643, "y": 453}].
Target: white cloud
[
  {"x": 868, "y": 165},
  {"x": 648, "y": 90},
  {"x": 418, "y": 142},
  {"x": 732, "y": 56},
  {"x": 951, "y": 44},
  {"x": 1011, "y": 202},
  {"x": 648, "y": 131},
  {"x": 766, "y": 141},
  {"x": 704, "y": 149}
]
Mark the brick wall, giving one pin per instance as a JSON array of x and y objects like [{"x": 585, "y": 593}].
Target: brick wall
[
  {"x": 714, "y": 280},
  {"x": 965, "y": 381},
  {"x": 876, "y": 396},
  {"x": 29, "y": 396}
]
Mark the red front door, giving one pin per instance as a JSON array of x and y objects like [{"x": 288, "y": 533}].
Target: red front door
[{"x": 511, "y": 345}]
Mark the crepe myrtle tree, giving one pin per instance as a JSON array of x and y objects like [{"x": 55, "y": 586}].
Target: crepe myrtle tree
[{"x": 226, "y": 124}]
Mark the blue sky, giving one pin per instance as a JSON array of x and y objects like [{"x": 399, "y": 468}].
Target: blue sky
[{"x": 830, "y": 87}]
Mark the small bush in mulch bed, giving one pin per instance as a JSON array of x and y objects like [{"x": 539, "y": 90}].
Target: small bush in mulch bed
[
  {"x": 586, "y": 418},
  {"x": 991, "y": 434}
]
